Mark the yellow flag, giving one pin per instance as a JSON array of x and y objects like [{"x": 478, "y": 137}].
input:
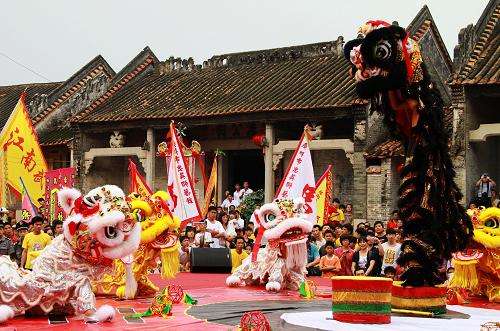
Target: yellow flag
[
  {"x": 212, "y": 182},
  {"x": 22, "y": 156},
  {"x": 323, "y": 195}
]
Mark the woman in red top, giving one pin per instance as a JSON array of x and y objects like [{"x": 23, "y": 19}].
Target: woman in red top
[{"x": 345, "y": 253}]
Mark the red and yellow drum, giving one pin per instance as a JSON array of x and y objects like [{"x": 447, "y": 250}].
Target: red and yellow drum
[
  {"x": 426, "y": 298},
  {"x": 360, "y": 299}
]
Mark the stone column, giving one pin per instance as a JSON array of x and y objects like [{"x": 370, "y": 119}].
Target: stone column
[
  {"x": 359, "y": 199},
  {"x": 268, "y": 165},
  {"x": 150, "y": 157}
]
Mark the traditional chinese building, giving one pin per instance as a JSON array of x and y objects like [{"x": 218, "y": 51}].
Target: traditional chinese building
[
  {"x": 98, "y": 119},
  {"x": 475, "y": 86}
]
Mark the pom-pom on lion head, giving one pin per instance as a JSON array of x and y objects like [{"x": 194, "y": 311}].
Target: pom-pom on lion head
[{"x": 98, "y": 226}]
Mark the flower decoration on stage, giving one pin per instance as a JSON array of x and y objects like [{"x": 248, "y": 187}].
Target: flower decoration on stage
[
  {"x": 254, "y": 321},
  {"x": 164, "y": 300}
]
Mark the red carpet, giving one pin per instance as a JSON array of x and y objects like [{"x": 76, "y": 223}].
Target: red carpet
[{"x": 207, "y": 288}]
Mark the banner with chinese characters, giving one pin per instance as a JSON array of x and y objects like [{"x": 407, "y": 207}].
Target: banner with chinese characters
[
  {"x": 22, "y": 156},
  {"x": 323, "y": 195},
  {"x": 180, "y": 184},
  {"x": 298, "y": 180},
  {"x": 54, "y": 181},
  {"x": 137, "y": 182}
]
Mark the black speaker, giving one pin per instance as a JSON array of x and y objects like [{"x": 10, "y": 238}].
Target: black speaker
[{"x": 210, "y": 260}]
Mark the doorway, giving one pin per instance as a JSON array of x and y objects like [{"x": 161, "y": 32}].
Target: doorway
[{"x": 246, "y": 165}]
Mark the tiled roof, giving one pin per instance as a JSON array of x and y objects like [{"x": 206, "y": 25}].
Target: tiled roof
[
  {"x": 386, "y": 149},
  {"x": 57, "y": 136},
  {"x": 9, "y": 95},
  {"x": 419, "y": 26},
  {"x": 316, "y": 82},
  {"x": 478, "y": 53}
]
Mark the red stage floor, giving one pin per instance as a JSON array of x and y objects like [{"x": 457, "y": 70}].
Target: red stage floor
[{"x": 207, "y": 288}]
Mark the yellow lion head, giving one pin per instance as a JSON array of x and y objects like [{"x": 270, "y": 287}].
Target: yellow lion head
[{"x": 486, "y": 227}]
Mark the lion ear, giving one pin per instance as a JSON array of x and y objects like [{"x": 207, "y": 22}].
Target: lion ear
[{"x": 67, "y": 197}]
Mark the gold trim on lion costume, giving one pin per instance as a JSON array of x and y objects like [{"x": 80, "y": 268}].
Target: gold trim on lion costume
[
  {"x": 159, "y": 238},
  {"x": 478, "y": 269}
]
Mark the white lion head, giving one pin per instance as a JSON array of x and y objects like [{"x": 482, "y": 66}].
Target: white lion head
[{"x": 98, "y": 227}]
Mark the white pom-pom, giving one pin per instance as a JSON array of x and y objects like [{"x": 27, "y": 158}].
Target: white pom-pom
[
  {"x": 233, "y": 281},
  {"x": 104, "y": 313},
  {"x": 66, "y": 198},
  {"x": 273, "y": 286},
  {"x": 6, "y": 313}
]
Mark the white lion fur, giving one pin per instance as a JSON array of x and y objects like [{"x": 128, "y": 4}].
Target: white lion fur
[
  {"x": 104, "y": 313},
  {"x": 130, "y": 282},
  {"x": 6, "y": 313},
  {"x": 273, "y": 286},
  {"x": 66, "y": 198}
]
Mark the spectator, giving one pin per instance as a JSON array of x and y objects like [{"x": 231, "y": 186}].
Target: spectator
[
  {"x": 337, "y": 232},
  {"x": 324, "y": 228},
  {"x": 57, "y": 227},
  {"x": 190, "y": 233},
  {"x": 374, "y": 246},
  {"x": 484, "y": 187},
  {"x": 185, "y": 255},
  {"x": 9, "y": 233},
  {"x": 392, "y": 223},
  {"x": 247, "y": 236},
  {"x": 238, "y": 193},
  {"x": 232, "y": 208},
  {"x": 494, "y": 198},
  {"x": 390, "y": 250},
  {"x": 6, "y": 246},
  {"x": 218, "y": 211},
  {"x": 34, "y": 242},
  {"x": 348, "y": 216},
  {"x": 203, "y": 238},
  {"x": 238, "y": 254},
  {"x": 234, "y": 224},
  {"x": 228, "y": 230},
  {"x": 4, "y": 215},
  {"x": 346, "y": 229},
  {"x": 330, "y": 263},
  {"x": 248, "y": 248},
  {"x": 241, "y": 221},
  {"x": 364, "y": 260},
  {"x": 246, "y": 190},
  {"x": 251, "y": 227},
  {"x": 336, "y": 215},
  {"x": 400, "y": 224},
  {"x": 317, "y": 236},
  {"x": 312, "y": 258},
  {"x": 328, "y": 235},
  {"x": 21, "y": 229},
  {"x": 345, "y": 254},
  {"x": 399, "y": 237},
  {"x": 360, "y": 225},
  {"x": 229, "y": 201},
  {"x": 390, "y": 272},
  {"x": 380, "y": 231},
  {"x": 215, "y": 228}
]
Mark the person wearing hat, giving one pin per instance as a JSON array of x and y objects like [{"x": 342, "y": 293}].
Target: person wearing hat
[{"x": 22, "y": 230}]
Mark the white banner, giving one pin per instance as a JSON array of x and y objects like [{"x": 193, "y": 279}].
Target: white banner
[
  {"x": 298, "y": 180},
  {"x": 180, "y": 185}
]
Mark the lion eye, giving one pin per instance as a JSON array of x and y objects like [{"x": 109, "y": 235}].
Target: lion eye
[
  {"x": 270, "y": 217},
  {"x": 383, "y": 50}
]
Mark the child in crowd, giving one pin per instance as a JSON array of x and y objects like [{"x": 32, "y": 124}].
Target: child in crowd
[
  {"x": 184, "y": 254},
  {"x": 203, "y": 238},
  {"x": 330, "y": 263},
  {"x": 390, "y": 272},
  {"x": 248, "y": 248},
  {"x": 345, "y": 253}
]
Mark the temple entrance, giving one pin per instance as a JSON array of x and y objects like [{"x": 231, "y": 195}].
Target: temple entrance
[{"x": 246, "y": 165}]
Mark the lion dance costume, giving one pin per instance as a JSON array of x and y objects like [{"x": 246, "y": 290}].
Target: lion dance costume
[
  {"x": 477, "y": 269},
  {"x": 282, "y": 263},
  {"x": 159, "y": 238},
  {"x": 98, "y": 230},
  {"x": 388, "y": 68}
]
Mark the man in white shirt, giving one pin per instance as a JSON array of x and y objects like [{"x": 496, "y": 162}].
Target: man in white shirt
[
  {"x": 246, "y": 190},
  {"x": 229, "y": 201},
  {"x": 389, "y": 250},
  {"x": 203, "y": 238},
  {"x": 214, "y": 227},
  {"x": 238, "y": 193}
]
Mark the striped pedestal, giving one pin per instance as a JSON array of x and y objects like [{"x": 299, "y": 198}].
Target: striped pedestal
[
  {"x": 429, "y": 299},
  {"x": 361, "y": 299}
]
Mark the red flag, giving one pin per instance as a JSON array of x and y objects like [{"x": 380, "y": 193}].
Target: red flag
[{"x": 137, "y": 182}]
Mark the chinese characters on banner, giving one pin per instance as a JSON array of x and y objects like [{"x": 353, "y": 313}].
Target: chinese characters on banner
[
  {"x": 298, "y": 180},
  {"x": 323, "y": 196},
  {"x": 180, "y": 185},
  {"x": 54, "y": 181},
  {"x": 21, "y": 155}
]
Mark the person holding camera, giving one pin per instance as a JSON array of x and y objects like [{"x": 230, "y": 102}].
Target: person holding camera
[{"x": 485, "y": 187}]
